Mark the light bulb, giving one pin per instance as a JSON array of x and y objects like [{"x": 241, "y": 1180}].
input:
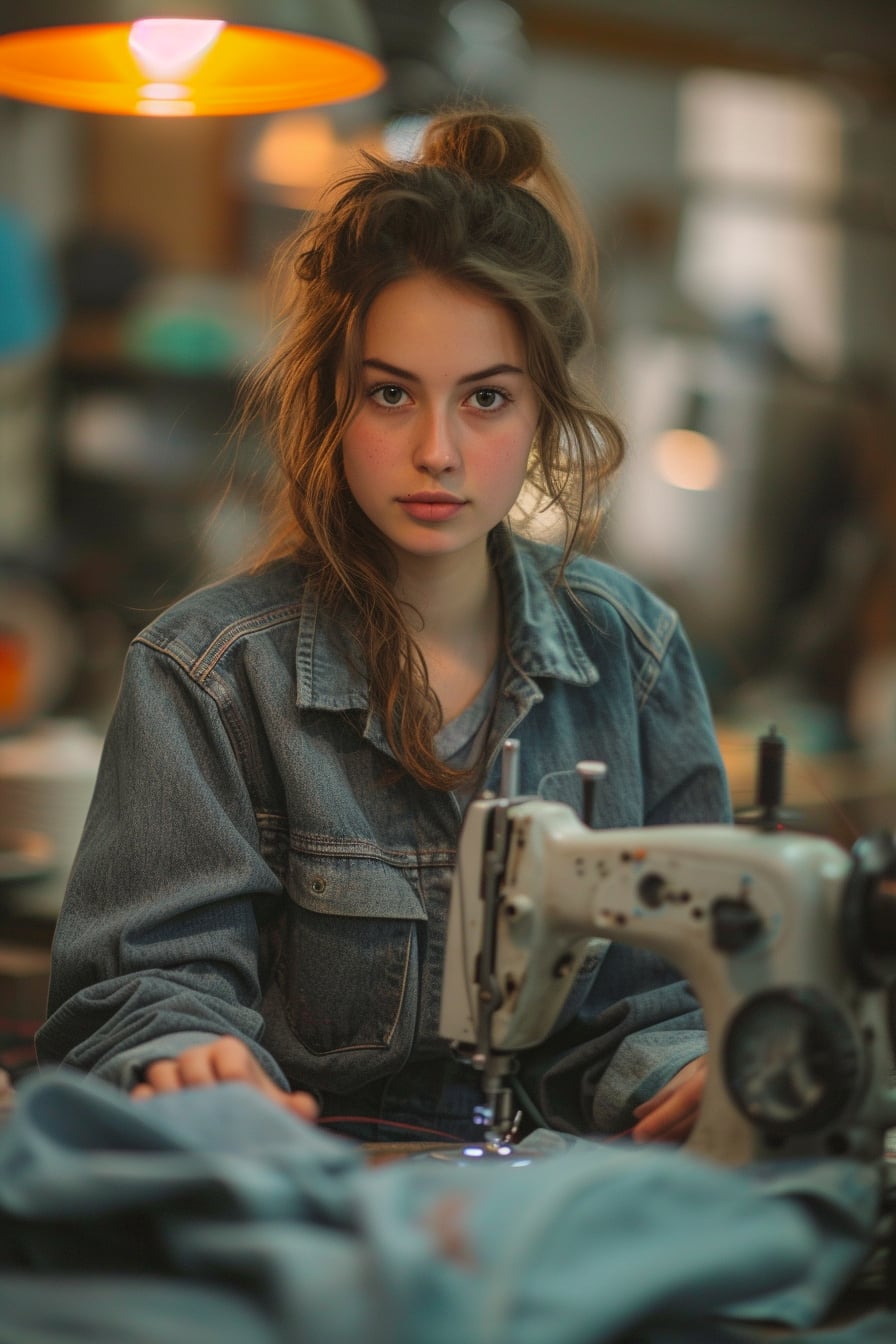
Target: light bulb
[
  {"x": 688, "y": 460},
  {"x": 169, "y": 49}
]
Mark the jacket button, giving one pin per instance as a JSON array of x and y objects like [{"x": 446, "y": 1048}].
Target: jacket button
[{"x": 318, "y": 885}]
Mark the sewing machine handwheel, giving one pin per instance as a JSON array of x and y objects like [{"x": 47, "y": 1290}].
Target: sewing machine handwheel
[
  {"x": 791, "y": 1061},
  {"x": 868, "y": 915}
]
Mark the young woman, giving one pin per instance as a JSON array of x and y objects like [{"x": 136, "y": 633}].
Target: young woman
[{"x": 261, "y": 891}]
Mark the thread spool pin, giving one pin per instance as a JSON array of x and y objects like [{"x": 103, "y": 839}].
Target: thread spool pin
[{"x": 590, "y": 773}]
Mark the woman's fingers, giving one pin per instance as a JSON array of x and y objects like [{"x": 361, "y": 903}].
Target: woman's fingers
[
  {"x": 225, "y": 1060},
  {"x": 670, "y": 1115},
  {"x": 231, "y": 1061},
  {"x": 196, "y": 1067},
  {"x": 234, "y": 1062},
  {"x": 163, "y": 1075},
  {"x": 141, "y": 1091},
  {"x": 302, "y": 1104}
]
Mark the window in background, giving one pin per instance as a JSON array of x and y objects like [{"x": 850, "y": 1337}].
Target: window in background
[
  {"x": 762, "y": 158},
  {"x": 730, "y": 412}
]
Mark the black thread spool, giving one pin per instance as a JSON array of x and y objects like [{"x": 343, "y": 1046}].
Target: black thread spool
[
  {"x": 770, "y": 778},
  {"x": 768, "y": 812}
]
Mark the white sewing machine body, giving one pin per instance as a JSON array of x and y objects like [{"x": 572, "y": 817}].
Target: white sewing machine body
[{"x": 765, "y": 926}]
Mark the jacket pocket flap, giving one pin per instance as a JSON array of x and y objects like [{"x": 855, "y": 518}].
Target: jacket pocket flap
[{"x": 354, "y": 887}]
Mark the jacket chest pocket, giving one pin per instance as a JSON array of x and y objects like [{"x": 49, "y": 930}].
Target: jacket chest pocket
[{"x": 347, "y": 961}]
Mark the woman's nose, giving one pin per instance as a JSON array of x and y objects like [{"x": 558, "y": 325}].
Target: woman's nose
[{"x": 436, "y": 449}]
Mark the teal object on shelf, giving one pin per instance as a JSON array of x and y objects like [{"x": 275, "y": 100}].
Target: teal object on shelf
[
  {"x": 30, "y": 307},
  {"x": 182, "y": 343}
]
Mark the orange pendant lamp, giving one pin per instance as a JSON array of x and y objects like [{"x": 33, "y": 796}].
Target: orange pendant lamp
[{"x": 188, "y": 57}]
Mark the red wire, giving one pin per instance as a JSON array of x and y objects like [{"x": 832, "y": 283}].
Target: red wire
[{"x": 390, "y": 1124}]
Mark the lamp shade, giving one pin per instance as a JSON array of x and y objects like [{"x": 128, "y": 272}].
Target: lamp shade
[{"x": 193, "y": 58}]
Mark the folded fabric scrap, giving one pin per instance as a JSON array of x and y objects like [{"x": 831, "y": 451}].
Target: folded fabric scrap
[{"x": 215, "y": 1217}]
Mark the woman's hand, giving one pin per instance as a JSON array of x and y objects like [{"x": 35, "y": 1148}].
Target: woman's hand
[
  {"x": 668, "y": 1117},
  {"x": 226, "y": 1060}
]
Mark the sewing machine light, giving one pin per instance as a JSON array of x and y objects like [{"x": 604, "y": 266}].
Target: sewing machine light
[
  {"x": 465, "y": 1154},
  {"x": 192, "y": 57}
]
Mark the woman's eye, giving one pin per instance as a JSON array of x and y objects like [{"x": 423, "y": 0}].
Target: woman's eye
[
  {"x": 388, "y": 395},
  {"x": 487, "y": 398}
]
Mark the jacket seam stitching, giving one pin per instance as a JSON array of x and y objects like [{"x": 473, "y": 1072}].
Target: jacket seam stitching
[
  {"x": 240, "y": 742},
  {"x": 345, "y": 848},
  {"x": 655, "y": 640},
  {"x": 201, "y": 665}
]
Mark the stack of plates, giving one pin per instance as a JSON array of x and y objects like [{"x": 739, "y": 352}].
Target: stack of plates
[{"x": 47, "y": 777}]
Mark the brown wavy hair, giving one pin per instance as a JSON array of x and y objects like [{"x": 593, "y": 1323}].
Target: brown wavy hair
[{"x": 482, "y": 207}]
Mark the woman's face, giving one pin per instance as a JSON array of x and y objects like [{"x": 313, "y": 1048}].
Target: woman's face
[{"x": 436, "y": 454}]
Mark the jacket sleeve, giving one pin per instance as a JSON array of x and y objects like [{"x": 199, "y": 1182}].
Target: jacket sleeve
[
  {"x": 681, "y": 766},
  {"x": 156, "y": 946},
  {"x": 638, "y": 1022}
]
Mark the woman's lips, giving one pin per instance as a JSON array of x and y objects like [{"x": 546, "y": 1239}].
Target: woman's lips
[{"x": 431, "y": 508}]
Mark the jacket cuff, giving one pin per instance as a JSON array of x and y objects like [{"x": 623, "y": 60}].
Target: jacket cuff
[
  {"x": 643, "y": 1063},
  {"x": 126, "y": 1070}
]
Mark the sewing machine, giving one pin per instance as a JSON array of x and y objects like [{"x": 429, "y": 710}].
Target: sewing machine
[{"x": 788, "y": 941}]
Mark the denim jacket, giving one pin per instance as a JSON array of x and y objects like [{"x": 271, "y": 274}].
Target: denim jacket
[{"x": 253, "y": 863}]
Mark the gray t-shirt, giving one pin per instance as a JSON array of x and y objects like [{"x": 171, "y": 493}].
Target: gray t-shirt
[{"x": 461, "y": 742}]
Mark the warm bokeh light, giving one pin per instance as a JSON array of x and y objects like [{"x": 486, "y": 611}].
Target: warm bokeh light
[
  {"x": 299, "y": 155},
  {"x": 687, "y": 460},
  {"x": 296, "y": 150},
  {"x": 94, "y": 68}
]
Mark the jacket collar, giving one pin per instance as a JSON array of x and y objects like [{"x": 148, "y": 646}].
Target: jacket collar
[{"x": 541, "y": 639}]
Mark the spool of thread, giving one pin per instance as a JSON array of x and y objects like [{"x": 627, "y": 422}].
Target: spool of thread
[{"x": 770, "y": 771}]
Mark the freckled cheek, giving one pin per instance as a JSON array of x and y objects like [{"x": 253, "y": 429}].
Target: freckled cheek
[
  {"x": 505, "y": 462},
  {"x": 368, "y": 449}
]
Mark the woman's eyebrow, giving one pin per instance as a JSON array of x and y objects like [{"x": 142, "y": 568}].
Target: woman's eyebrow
[{"x": 491, "y": 372}]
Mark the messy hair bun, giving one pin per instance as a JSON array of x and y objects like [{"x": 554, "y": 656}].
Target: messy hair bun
[
  {"x": 509, "y": 149},
  {"x": 484, "y": 144}
]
